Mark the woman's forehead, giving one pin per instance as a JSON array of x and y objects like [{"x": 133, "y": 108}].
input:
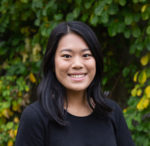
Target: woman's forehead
[{"x": 71, "y": 41}]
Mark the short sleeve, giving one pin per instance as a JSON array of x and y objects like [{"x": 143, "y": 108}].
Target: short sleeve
[{"x": 31, "y": 130}]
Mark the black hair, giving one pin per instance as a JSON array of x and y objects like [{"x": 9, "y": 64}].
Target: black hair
[{"x": 50, "y": 91}]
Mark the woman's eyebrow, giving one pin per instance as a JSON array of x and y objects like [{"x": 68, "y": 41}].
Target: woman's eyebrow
[
  {"x": 86, "y": 49},
  {"x": 69, "y": 50}
]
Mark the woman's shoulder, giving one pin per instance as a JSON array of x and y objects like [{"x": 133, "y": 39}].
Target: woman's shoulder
[
  {"x": 116, "y": 113},
  {"x": 32, "y": 108},
  {"x": 115, "y": 106},
  {"x": 34, "y": 112},
  {"x": 32, "y": 126},
  {"x": 119, "y": 123}
]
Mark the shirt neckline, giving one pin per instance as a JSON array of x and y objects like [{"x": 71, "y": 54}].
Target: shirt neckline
[{"x": 79, "y": 117}]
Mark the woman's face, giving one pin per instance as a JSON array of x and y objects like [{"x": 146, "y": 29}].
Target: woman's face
[{"x": 75, "y": 67}]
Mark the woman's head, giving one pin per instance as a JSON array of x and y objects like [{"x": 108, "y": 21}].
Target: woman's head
[
  {"x": 51, "y": 90},
  {"x": 85, "y": 33},
  {"x": 75, "y": 66}
]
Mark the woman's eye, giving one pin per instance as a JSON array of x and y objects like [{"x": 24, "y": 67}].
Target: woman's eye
[
  {"x": 87, "y": 55},
  {"x": 66, "y": 56}
]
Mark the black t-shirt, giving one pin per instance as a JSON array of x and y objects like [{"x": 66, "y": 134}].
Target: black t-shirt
[{"x": 36, "y": 129}]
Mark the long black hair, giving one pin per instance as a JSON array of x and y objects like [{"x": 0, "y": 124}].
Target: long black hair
[{"x": 50, "y": 91}]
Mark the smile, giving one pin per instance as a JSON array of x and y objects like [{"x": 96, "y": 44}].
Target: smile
[{"x": 77, "y": 76}]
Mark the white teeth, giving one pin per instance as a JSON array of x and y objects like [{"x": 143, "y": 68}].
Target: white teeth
[{"x": 77, "y": 76}]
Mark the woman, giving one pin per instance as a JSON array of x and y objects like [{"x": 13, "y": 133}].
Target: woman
[{"x": 71, "y": 110}]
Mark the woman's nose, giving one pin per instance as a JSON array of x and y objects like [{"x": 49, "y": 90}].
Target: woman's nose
[{"x": 77, "y": 63}]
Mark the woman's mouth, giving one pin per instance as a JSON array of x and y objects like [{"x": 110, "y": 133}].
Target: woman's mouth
[{"x": 77, "y": 77}]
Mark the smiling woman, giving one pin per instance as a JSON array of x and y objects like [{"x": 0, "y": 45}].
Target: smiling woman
[
  {"x": 71, "y": 109},
  {"x": 75, "y": 66}
]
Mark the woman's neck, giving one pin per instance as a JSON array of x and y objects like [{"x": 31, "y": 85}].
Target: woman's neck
[
  {"x": 76, "y": 97},
  {"x": 77, "y": 103}
]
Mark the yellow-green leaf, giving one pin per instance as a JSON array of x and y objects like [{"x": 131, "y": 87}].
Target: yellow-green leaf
[
  {"x": 32, "y": 78},
  {"x": 142, "y": 104},
  {"x": 144, "y": 60},
  {"x": 10, "y": 143},
  {"x": 142, "y": 77},
  {"x": 143, "y": 8},
  {"x": 147, "y": 91},
  {"x": 133, "y": 92},
  {"x": 139, "y": 92},
  {"x": 135, "y": 76},
  {"x": 125, "y": 110},
  {"x": 36, "y": 49}
]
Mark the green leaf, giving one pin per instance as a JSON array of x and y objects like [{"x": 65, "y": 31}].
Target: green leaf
[
  {"x": 113, "y": 9},
  {"x": 148, "y": 46},
  {"x": 37, "y": 4},
  {"x": 128, "y": 19},
  {"x": 24, "y": 1},
  {"x": 148, "y": 30},
  {"x": 37, "y": 22},
  {"x": 58, "y": 17},
  {"x": 109, "y": 1},
  {"x": 135, "y": 1},
  {"x": 125, "y": 71},
  {"x": 78, "y": 2},
  {"x": 9, "y": 125},
  {"x": 69, "y": 1},
  {"x": 94, "y": 20},
  {"x": 136, "y": 17},
  {"x": 132, "y": 49},
  {"x": 18, "y": 68},
  {"x": 5, "y": 105},
  {"x": 121, "y": 27},
  {"x": 127, "y": 33},
  {"x": 140, "y": 46},
  {"x": 76, "y": 12},
  {"x": 139, "y": 128},
  {"x": 104, "y": 17},
  {"x": 112, "y": 29},
  {"x": 104, "y": 81},
  {"x": 145, "y": 15},
  {"x": 100, "y": 7},
  {"x": 84, "y": 17},
  {"x": 3, "y": 51},
  {"x": 142, "y": 0},
  {"x": 69, "y": 17},
  {"x": 88, "y": 4},
  {"x": 142, "y": 77},
  {"x": 122, "y": 2},
  {"x": 136, "y": 32}
]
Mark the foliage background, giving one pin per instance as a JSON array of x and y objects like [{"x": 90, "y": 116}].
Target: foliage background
[{"x": 123, "y": 28}]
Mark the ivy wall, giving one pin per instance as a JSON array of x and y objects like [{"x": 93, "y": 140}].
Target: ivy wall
[{"x": 123, "y": 28}]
